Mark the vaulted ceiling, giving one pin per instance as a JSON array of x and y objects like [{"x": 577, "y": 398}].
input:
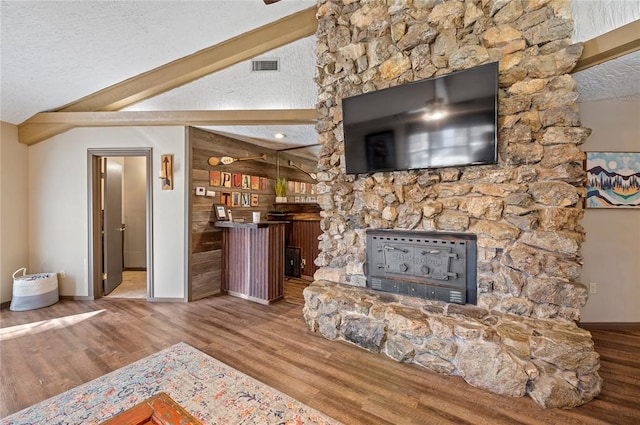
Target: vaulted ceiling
[{"x": 54, "y": 53}]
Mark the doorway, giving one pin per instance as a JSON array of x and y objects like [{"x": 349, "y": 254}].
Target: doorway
[{"x": 120, "y": 240}]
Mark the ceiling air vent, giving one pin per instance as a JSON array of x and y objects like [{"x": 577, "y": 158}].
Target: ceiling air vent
[{"x": 265, "y": 65}]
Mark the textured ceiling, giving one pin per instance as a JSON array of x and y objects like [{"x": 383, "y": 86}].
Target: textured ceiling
[
  {"x": 618, "y": 78},
  {"x": 55, "y": 52}
]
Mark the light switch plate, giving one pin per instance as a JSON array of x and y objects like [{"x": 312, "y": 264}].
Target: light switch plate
[{"x": 211, "y": 193}]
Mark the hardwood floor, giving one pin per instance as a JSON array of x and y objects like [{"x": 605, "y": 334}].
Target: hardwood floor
[{"x": 47, "y": 351}]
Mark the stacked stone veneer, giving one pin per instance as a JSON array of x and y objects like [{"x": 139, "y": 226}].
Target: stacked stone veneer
[{"x": 525, "y": 210}]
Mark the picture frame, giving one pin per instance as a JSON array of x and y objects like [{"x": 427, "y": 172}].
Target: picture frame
[
  {"x": 613, "y": 180},
  {"x": 221, "y": 212}
]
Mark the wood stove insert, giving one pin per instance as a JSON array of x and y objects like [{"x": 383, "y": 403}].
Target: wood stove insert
[{"x": 433, "y": 265}]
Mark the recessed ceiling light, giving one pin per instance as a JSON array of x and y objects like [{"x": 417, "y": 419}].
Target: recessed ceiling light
[{"x": 279, "y": 135}]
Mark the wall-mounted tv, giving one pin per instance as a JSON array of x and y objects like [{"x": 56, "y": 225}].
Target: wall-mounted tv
[{"x": 445, "y": 121}]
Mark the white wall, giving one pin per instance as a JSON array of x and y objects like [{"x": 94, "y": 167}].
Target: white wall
[
  {"x": 134, "y": 211},
  {"x": 611, "y": 252},
  {"x": 13, "y": 208},
  {"x": 58, "y": 222}
]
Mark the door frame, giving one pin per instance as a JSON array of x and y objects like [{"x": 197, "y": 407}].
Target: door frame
[{"x": 94, "y": 257}]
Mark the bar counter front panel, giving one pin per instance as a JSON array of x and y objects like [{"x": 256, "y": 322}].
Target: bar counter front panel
[{"x": 253, "y": 260}]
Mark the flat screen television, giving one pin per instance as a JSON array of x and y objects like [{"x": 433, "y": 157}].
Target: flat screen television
[{"x": 445, "y": 121}]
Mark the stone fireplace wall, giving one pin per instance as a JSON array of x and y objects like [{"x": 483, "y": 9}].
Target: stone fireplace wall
[{"x": 525, "y": 210}]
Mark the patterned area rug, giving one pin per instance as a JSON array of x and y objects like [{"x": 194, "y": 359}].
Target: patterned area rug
[{"x": 208, "y": 389}]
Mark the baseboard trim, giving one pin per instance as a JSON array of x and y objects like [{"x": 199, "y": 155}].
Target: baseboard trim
[
  {"x": 610, "y": 326},
  {"x": 77, "y": 298},
  {"x": 165, "y": 300},
  {"x": 208, "y": 294}
]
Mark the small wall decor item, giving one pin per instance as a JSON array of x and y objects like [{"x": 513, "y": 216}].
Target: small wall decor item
[
  {"x": 245, "y": 199},
  {"x": 226, "y": 179},
  {"x": 166, "y": 171},
  {"x": 255, "y": 183},
  {"x": 613, "y": 180},
  {"x": 214, "y": 178},
  {"x": 246, "y": 181},
  {"x": 255, "y": 200},
  {"x": 309, "y": 173},
  {"x": 235, "y": 199},
  {"x": 225, "y": 198},
  {"x": 226, "y": 160},
  {"x": 236, "y": 180},
  {"x": 263, "y": 183}
]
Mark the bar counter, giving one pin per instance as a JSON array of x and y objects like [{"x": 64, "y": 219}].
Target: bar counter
[{"x": 253, "y": 260}]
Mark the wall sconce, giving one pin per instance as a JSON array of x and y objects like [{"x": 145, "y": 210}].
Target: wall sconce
[{"x": 166, "y": 171}]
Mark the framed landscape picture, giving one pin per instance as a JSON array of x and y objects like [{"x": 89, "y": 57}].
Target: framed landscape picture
[{"x": 613, "y": 180}]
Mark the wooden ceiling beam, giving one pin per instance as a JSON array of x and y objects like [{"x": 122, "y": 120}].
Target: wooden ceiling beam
[
  {"x": 613, "y": 44},
  {"x": 182, "y": 71},
  {"x": 44, "y": 121},
  {"x": 148, "y": 118}
]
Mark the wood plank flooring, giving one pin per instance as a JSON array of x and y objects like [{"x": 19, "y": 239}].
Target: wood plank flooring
[{"x": 47, "y": 351}]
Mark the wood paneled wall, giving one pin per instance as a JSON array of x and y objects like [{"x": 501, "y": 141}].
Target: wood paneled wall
[
  {"x": 205, "y": 264},
  {"x": 305, "y": 235}
]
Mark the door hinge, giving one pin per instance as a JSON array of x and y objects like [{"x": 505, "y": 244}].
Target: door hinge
[{"x": 104, "y": 276}]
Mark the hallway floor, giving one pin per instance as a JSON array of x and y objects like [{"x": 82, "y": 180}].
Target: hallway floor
[{"x": 134, "y": 285}]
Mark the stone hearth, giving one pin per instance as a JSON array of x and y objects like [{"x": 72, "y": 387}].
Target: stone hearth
[
  {"x": 525, "y": 211},
  {"x": 554, "y": 364}
]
